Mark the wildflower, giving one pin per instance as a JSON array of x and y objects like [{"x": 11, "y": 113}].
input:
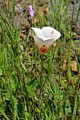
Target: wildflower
[
  {"x": 30, "y": 10},
  {"x": 45, "y": 37}
]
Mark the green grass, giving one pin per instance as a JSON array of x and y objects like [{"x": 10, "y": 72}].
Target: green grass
[{"x": 34, "y": 86}]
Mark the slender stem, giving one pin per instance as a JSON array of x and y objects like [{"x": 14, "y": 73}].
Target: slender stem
[
  {"x": 72, "y": 14},
  {"x": 41, "y": 86},
  {"x": 69, "y": 56},
  {"x": 41, "y": 75}
]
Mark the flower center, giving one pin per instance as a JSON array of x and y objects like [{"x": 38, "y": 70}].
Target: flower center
[{"x": 43, "y": 49}]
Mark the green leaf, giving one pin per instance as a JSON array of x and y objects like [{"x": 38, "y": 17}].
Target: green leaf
[
  {"x": 4, "y": 114},
  {"x": 1, "y": 71}
]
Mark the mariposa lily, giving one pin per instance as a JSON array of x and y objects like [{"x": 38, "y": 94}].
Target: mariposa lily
[{"x": 45, "y": 37}]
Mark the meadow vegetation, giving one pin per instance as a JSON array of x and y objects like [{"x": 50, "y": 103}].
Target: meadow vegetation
[{"x": 36, "y": 86}]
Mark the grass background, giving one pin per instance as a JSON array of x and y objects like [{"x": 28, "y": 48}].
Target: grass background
[{"x": 34, "y": 86}]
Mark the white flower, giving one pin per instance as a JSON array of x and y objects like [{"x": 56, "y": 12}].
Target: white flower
[{"x": 45, "y": 37}]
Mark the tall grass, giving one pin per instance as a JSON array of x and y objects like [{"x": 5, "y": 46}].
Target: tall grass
[{"x": 34, "y": 86}]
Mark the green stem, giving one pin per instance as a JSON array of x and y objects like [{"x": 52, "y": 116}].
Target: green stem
[
  {"x": 69, "y": 57},
  {"x": 69, "y": 71},
  {"x": 41, "y": 86},
  {"x": 41, "y": 75},
  {"x": 72, "y": 15}
]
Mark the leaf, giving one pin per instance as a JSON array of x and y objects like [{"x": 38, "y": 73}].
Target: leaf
[
  {"x": 31, "y": 90},
  {"x": 14, "y": 105},
  {"x": 1, "y": 72},
  {"x": 4, "y": 114},
  {"x": 75, "y": 106}
]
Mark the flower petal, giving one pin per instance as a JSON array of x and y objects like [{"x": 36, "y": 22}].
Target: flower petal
[
  {"x": 46, "y": 32},
  {"x": 56, "y": 35},
  {"x": 48, "y": 43},
  {"x": 30, "y": 10},
  {"x": 43, "y": 44},
  {"x": 49, "y": 33},
  {"x": 37, "y": 31},
  {"x": 39, "y": 42}
]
